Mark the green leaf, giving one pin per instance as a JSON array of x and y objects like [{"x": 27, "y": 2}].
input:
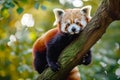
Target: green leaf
[
  {"x": 9, "y": 1},
  {"x": 5, "y": 13},
  {"x": 2, "y": 1},
  {"x": 20, "y": 10},
  {"x": 43, "y": 7},
  {"x": 12, "y": 5},
  {"x": 24, "y": 1},
  {"x": 7, "y": 5},
  {"x": 36, "y": 5}
]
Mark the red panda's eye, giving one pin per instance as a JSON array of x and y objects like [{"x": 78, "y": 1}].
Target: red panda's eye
[
  {"x": 68, "y": 24},
  {"x": 77, "y": 23}
]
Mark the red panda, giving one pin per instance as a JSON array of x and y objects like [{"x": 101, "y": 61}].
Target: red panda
[{"x": 47, "y": 48}]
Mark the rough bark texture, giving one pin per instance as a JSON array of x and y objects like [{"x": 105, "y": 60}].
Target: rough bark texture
[{"x": 108, "y": 11}]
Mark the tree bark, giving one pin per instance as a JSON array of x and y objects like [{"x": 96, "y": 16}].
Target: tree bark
[{"x": 108, "y": 11}]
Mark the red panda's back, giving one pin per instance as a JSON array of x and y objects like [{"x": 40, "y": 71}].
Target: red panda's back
[{"x": 39, "y": 44}]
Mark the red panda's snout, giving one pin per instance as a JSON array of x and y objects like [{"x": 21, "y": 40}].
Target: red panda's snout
[
  {"x": 71, "y": 28},
  {"x": 74, "y": 29}
]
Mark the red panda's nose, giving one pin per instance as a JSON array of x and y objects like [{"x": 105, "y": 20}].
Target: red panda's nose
[{"x": 73, "y": 29}]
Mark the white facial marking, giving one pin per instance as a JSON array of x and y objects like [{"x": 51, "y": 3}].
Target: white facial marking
[
  {"x": 74, "y": 26},
  {"x": 63, "y": 26},
  {"x": 58, "y": 14}
]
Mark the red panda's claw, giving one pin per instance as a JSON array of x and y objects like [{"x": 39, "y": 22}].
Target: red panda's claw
[
  {"x": 87, "y": 58},
  {"x": 55, "y": 67}
]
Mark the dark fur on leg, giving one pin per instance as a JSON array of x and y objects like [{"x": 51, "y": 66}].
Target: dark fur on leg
[
  {"x": 40, "y": 62},
  {"x": 55, "y": 47},
  {"x": 87, "y": 58}
]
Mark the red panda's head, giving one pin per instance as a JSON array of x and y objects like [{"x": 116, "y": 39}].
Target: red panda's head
[{"x": 72, "y": 21}]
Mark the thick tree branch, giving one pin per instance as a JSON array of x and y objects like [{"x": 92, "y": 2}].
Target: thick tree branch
[{"x": 108, "y": 11}]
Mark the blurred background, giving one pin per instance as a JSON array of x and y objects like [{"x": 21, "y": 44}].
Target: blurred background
[{"x": 23, "y": 21}]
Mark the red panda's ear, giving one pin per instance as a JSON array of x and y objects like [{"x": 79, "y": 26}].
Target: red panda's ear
[
  {"x": 86, "y": 10},
  {"x": 58, "y": 14}
]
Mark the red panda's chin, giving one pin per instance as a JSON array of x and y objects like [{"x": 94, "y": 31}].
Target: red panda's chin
[{"x": 73, "y": 33}]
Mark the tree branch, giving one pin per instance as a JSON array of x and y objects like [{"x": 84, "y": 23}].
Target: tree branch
[{"x": 108, "y": 11}]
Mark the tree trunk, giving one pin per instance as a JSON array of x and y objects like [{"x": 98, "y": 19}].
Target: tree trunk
[{"x": 108, "y": 11}]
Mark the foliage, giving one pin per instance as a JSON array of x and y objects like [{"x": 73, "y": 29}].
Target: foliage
[{"x": 16, "y": 40}]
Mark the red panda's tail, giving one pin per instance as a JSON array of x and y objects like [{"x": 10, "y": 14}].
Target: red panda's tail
[{"x": 74, "y": 74}]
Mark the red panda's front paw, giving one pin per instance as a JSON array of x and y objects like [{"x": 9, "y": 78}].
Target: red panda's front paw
[
  {"x": 54, "y": 66},
  {"x": 87, "y": 58}
]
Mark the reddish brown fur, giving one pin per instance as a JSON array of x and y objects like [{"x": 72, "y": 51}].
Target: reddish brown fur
[
  {"x": 39, "y": 45},
  {"x": 74, "y": 74},
  {"x": 71, "y": 14}
]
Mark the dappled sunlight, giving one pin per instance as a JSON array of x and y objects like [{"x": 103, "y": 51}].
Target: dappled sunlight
[
  {"x": 117, "y": 72},
  {"x": 27, "y": 20},
  {"x": 75, "y": 3},
  {"x": 12, "y": 40}
]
